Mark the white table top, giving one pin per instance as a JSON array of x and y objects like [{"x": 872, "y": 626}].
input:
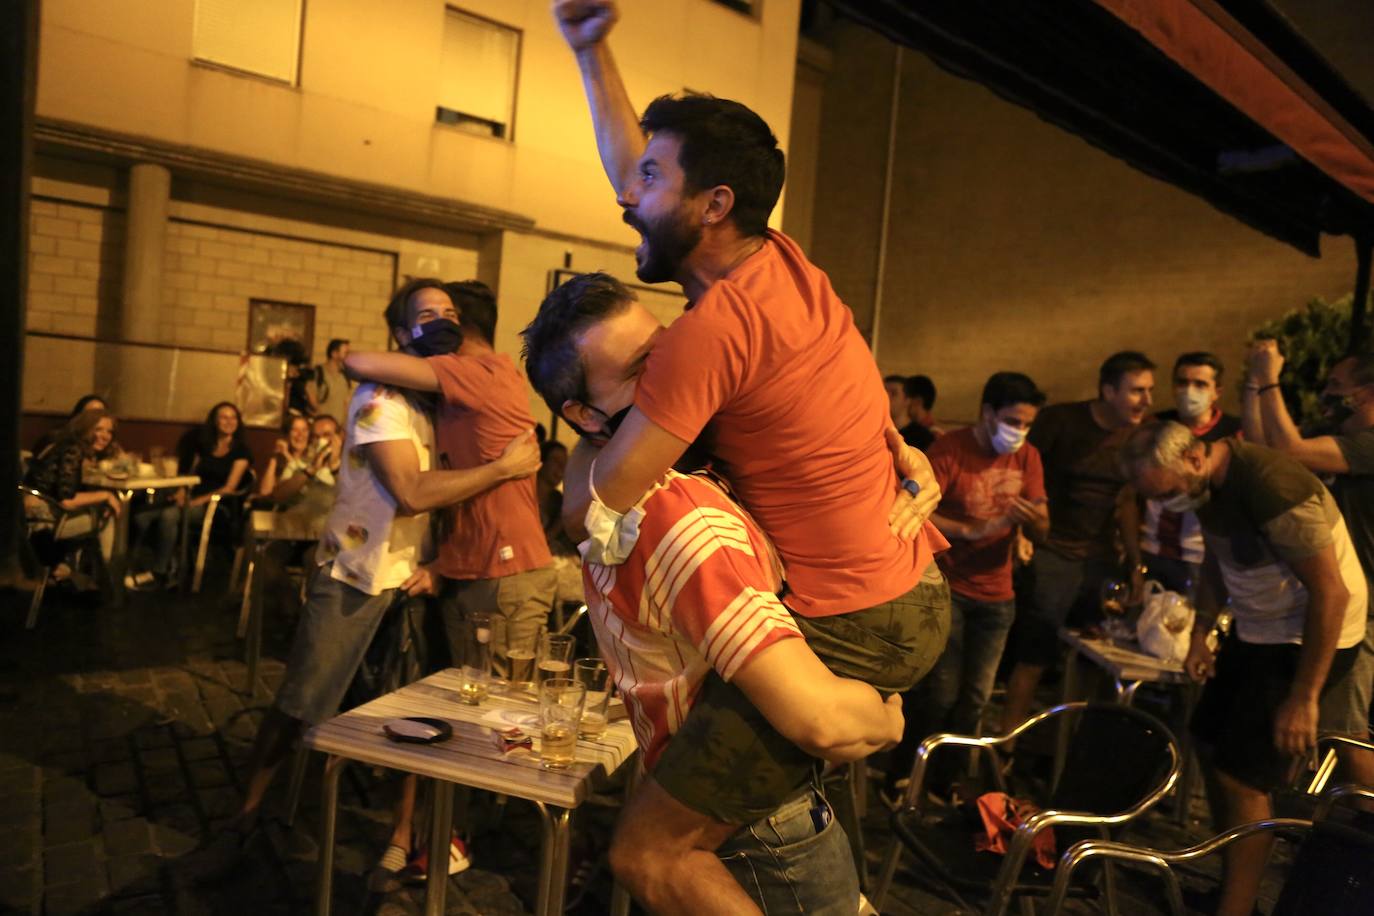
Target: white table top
[
  {"x": 471, "y": 757},
  {"x": 1125, "y": 663},
  {"x": 104, "y": 481}
]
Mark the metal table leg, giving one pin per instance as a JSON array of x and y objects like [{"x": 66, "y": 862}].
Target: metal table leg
[
  {"x": 324, "y": 878},
  {"x": 553, "y": 859},
  {"x": 182, "y": 535},
  {"x": 253, "y": 596},
  {"x": 119, "y": 554},
  {"x": 440, "y": 836}
]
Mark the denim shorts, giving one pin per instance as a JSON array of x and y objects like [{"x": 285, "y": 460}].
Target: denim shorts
[
  {"x": 795, "y": 860},
  {"x": 336, "y": 627},
  {"x": 728, "y": 763}
]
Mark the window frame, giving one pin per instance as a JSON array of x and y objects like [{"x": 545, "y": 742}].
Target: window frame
[{"x": 509, "y": 135}]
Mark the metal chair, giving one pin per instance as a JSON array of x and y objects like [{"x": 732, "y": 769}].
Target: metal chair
[
  {"x": 236, "y": 502},
  {"x": 1333, "y": 874},
  {"x": 1088, "y": 797},
  {"x": 55, "y": 522}
]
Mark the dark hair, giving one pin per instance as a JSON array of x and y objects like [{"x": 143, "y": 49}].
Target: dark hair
[
  {"x": 334, "y": 346},
  {"x": 1118, "y": 364},
  {"x": 1006, "y": 388},
  {"x": 549, "y": 447},
  {"x": 325, "y": 416},
  {"x": 1201, "y": 358},
  {"x": 209, "y": 431},
  {"x": 397, "y": 311},
  {"x": 550, "y": 352},
  {"x": 722, "y": 143},
  {"x": 895, "y": 380},
  {"x": 1363, "y": 371},
  {"x": 83, "y": 401},
  {"x": 476, "y": 305},
  {"x": 920, "y": 386},
  {"x": 289, "y": 349}
]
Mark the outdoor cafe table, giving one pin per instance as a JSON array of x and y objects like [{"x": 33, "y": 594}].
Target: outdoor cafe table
[
  {"x": 469, "y": 758},
  {"x": 1129, "y": 668},
  {"x": 124, "y": 489}
]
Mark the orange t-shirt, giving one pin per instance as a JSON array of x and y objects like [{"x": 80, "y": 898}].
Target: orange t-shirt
[
  {"x": 768, "y": 362},
  {"x": 485, "y": 405}
]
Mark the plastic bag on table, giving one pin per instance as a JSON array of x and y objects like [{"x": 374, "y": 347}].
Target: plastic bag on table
[{"x": 1166, "y": 624}]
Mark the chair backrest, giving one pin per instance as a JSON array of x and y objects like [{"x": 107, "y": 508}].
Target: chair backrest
[
  {"x": 1334, "y": 870},
  {"x": 1117, "y": 756}
]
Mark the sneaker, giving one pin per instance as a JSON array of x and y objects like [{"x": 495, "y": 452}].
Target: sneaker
[
  {"x": 140, "y": 581},
  {"x": 386, "y": 876},
  {"x": 417, "y": 870}
]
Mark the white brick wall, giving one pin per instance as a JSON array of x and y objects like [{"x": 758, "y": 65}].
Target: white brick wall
[
  {"x": 211, "y": 273},
  {"x": 75, "y": 263}
]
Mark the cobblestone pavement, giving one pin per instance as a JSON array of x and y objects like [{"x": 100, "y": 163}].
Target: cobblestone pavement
[{"x": 124, "y": 735}]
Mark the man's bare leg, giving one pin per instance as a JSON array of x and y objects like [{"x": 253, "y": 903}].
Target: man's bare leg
[
  {"x": 403, "y": 817},
  {"x": 276, "y": 735},
  {"x": 1244, "y": 860},
  {"x": 664, "y": 853}
]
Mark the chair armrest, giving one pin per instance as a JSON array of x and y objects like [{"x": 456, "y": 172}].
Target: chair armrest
[{"x": 1164, "y": 860}]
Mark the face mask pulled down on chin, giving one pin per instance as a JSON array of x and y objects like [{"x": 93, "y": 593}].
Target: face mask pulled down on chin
[
  {"x": 436, "y": 338},
  {"x": 1189, "y": 501}
]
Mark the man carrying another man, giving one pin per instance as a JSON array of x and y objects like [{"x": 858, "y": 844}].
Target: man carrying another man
[
  {"x": 697, "y": 177},
  {"x": 696, "y": 598},
  {"x": 1277, "y": 546}
]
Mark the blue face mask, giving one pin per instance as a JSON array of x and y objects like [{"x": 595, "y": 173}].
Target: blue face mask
[{"x": 436, "y": 338}]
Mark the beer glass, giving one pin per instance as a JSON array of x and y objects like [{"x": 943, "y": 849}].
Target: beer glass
[
  {"x": 555, "y": 656},
  {"x": 593, "y": 674},
  {"x": 475, "y": 673},
  {"x": 561, "y": 701}
]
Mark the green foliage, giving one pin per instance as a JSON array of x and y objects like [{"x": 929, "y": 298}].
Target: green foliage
[{"x": 1312, "y": 339}]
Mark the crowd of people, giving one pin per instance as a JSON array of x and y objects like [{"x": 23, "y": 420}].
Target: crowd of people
[{"x": 776, "y": 582}]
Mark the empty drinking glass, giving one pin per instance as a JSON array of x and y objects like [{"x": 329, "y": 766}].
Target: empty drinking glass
[
  {"x": 593, "y": 674},
  {"x": 555, "y": 656}
]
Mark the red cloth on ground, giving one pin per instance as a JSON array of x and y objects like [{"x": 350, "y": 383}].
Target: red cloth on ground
[{"x": 1001, "y": 815}]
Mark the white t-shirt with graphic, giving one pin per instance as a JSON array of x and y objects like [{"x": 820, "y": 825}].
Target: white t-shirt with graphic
[{"x": 374, "y": 549}]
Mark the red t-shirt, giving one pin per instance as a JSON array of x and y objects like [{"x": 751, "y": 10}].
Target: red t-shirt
[
  {"x": 768, "y": 362},
  {"x": 485, "y": 406},
  {"x": 978, "y": 484}
]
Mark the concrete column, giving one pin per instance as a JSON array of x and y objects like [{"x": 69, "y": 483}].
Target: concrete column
[{"x": 150, "y": 188}]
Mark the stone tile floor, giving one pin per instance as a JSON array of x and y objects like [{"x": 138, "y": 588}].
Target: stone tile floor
[{"x": 124, "y": 735}]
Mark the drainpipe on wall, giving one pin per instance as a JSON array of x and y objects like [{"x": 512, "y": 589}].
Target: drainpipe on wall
[{"x": 881, "y": 268}]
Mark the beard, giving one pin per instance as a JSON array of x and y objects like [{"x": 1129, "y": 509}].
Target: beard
[{"x": 667, "y": 242}]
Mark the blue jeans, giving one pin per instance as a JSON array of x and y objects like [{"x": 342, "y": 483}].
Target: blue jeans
[{"x": 796, "y": 860}]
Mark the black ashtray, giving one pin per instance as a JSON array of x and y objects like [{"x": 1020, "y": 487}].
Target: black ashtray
[{"x": 417, "y": 730}]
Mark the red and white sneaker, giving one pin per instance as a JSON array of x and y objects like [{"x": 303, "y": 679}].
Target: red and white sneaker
[{"x": 417, "y": 870}]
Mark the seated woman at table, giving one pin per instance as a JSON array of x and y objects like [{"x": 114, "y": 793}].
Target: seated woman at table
[
  {"x": 56, "y": 472},
  {"x": 219, "y": 456},
  {"x": 85, "y": 402},
  {"x": 300, "y": 474}
]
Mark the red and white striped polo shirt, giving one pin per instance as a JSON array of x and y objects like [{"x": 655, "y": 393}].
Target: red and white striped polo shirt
[{"x": 699, "y": 591}]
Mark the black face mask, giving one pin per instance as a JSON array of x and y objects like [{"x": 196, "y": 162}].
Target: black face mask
[
  {"x": 1336, "y": 408},
  {"x": 608, "y": 429},
  {"x": 436, "y": 338}
]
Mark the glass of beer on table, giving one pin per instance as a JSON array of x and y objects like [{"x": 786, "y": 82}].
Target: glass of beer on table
[
  {"x": 555, "y": 656},
  {"x": 475, "y": 673},
  {"x": 561, "y": 701}
]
